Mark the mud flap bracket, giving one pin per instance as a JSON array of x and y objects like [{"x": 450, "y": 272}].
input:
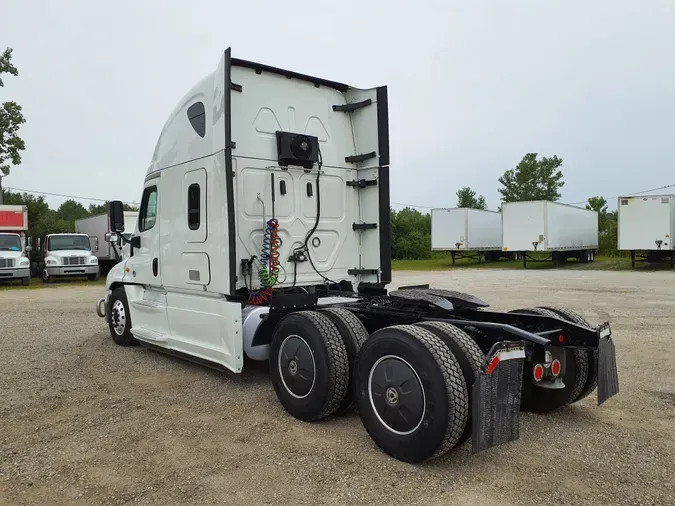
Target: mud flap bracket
[{"x": 496, "y": 397}]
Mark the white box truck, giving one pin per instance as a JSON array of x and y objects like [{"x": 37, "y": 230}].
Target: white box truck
[
  {"x": 646, "y": 227},
  {"x": 14, "y": 261},
  {"x": 263, "y": 232},
  {"x": 562, "y": 230},
  {"x": 467, "y": 233},
  {"x": 98, "y": 229}
]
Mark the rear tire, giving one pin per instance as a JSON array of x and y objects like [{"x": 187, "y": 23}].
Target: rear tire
[
  {"x": 353, "y": 334},
  {"x": 309, "y": 365},
  {"x": 120, "y": 319},
  {"x": 582, "y": 390},
  {"x": 411, "y": 395},
  {"x": 536, "y": 399},
  {"x": 470, "y": 357}
]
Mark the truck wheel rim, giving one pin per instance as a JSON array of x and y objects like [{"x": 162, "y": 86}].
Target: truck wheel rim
[
  {"x": 396, "y": 395},
  {"x": 118, "y": 317},
  {"x": 297, "y": 367}
]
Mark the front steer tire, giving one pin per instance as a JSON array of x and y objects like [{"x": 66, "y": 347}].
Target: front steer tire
[
  {"x": 120, "y": 319},
  {"x": 309, "y": 365},
  {"x": 353, "y": 334},
  {"x": 411, "y": 395}
]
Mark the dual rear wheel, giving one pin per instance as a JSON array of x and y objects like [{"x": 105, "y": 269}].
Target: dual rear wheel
[{"x": 411, "y": 384}]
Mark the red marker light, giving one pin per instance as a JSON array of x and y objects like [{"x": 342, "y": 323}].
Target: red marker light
[
  {"x": 555, "y": 367},
  {"x": 538, "y": 372},
  {"x": 561, "y": 338}
]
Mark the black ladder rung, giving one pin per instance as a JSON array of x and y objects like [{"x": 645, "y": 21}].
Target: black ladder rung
[
  {"x": 360, "y": 158},
  {"x": 353, "y": 106},
  {"x": 362, "y": 183},
  {"x": 363, "y": 226}
]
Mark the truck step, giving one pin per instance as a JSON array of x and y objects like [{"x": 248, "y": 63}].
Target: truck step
[
  {"x": 149, "y": 335},
  {"x": 148, "y": 304}
]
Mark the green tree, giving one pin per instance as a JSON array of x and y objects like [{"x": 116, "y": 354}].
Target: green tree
[
  {"x": 95, "y": 209},
  {"x": 466, "y": 197},
  {"x": 410, "y": 235},
  {"x": 532, "y": 179},
  {"x": 70, "y": 211},
  {"x": 599, "y": 204},
  {"x": 11, "y": 118},
  {"x": 607, "y": 225}
]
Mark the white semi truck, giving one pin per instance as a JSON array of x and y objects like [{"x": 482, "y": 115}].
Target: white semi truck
[
  {"x": 560, "y": 230},
  {"x": 264, "y": 233},
  {"x": 98, "y": 229},
  {"x": 14, "y": 261},
  {"x": 646, "y": 227}
]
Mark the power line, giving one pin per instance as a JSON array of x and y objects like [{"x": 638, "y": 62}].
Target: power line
[
  {"x": 62, "y": 195},
  {"x": 629, "y": 193}
]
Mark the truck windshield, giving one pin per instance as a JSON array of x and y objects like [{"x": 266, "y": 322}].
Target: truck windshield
[
  {"x": 65, "y": 242},
  {"x": 10, "y": 243}
]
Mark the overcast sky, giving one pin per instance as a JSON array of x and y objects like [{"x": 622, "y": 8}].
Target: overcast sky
[{"x": 473, "y": 85}]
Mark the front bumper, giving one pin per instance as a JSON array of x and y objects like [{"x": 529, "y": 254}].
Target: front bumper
[
  {"x": 23, "y": 272},
  {"x": 72, "y": 270}
]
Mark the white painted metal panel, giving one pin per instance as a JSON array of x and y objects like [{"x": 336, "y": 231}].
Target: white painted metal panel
[
  {"x": 448, "y": 229},
  {"x": 456, "y": 229},
  {"x": 484, "y": 230},
  {"x": 570, "y": 228},
  {"x": 643, "y": 220},
  {"x": 523, "y": 223}
]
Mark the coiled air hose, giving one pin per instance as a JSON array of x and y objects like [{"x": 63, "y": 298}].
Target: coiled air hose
[{"x": 268, "y": 270}]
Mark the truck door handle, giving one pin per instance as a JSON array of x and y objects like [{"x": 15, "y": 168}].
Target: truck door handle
[{"x": 155, "y": 266}]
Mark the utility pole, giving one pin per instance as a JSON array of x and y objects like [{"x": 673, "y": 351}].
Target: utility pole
[{"x": 1, "y": 202}]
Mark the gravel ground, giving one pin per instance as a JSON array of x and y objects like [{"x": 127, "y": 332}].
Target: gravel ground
[{"x": 83, "y": 421}]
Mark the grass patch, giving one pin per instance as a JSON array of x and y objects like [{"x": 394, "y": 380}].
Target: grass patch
[
  {"x": 602, "y": 263},
  {"x": 37, "y": 284}
]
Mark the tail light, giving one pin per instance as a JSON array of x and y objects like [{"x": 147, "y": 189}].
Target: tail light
[{"x": 538, "y": 372}]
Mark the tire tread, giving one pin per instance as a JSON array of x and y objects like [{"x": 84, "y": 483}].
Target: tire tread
[{"x": 455, "y": 385}]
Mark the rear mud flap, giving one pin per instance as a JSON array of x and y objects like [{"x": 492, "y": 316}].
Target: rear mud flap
[
  {"x": 608, "y": 376},
  {"x": 496, "y": 398}
]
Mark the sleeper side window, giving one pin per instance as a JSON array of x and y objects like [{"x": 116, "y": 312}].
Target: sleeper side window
[
  {"x": 197, "y": 116},
  {"x": 193, "y": 204},
  {"x": 148, "y": 213}
]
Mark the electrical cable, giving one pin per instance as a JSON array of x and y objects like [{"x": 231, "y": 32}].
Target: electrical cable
[
  {"x": 305, "y": 246},
  {"x": 61, "y": 195}
]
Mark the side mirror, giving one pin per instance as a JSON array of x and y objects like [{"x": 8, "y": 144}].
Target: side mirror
[
  {"x": 135, "y": 241},
  {"x": 116, "y": 216},
  {"x": 110, "y": 237}
]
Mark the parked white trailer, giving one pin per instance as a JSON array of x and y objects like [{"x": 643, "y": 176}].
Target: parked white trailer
[
  {"x": 98, "y": 229},
  {"x": 646, "y": 227},
  {"x": 562, "y": 230},
  {"x": 264, "y": 232},
  {"x": 467, "y": 233}
]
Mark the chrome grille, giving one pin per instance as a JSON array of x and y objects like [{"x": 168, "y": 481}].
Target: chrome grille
[
  {"x": 74, "y": 260},
  {"x": 6, "y": 262}
]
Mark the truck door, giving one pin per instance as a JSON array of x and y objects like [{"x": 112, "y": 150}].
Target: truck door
[
  {"x": 143, "y": 265},
  {"x": 143, "y": 272}
]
